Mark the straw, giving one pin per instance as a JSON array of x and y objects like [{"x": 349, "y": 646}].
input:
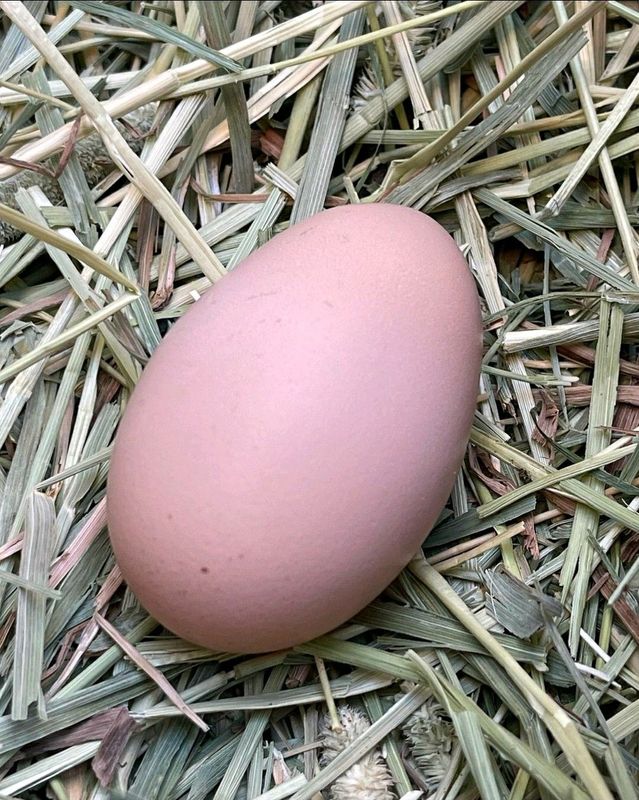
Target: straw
[{"x": 148, "y": 149}]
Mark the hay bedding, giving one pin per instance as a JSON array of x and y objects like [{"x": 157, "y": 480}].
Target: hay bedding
[{"x": 503, "y": 664}]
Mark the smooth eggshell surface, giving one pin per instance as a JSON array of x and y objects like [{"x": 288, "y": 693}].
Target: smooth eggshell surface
[{"x": 296, "y": 434}]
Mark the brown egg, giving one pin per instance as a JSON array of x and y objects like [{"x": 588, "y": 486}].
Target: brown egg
[{"x": 297, "y": 433}]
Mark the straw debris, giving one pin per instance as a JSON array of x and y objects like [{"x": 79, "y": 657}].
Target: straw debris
[{"x": 146, "y": 149}]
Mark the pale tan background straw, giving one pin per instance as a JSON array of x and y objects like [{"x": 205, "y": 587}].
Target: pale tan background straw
[{"x": 146, "y": 148}]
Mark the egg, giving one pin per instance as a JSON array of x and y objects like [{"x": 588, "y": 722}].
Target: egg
[{"x": 296, "y": 434}]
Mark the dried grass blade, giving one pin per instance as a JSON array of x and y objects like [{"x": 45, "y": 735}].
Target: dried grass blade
[
  {"x": 423, "y": 158},
  {"x": 54, "y": 422},
  {"x": 30, "y": 55},
  {"x": 46, "y": 768},
  {"x": 217, "y": 32},
  {"x": 438, "y": 631},
  {"x": 511, "y": 39},
  {"x": 552, "y": 145},
  {"x": 54, "y": 345},
  {"x": 605, "y": 162},
  {"x": 263, "y": 222},
  {"x": 16, "y": 481},
  {"x": 546, "y": 234},
  {"x": 394, "y": 717},
  {"x": 79, "y": 251},
  {"x": 495, "y": 541},
  {"x": 392, "y": 752},
  {"x": 86, "y": 463},
  {"x": 30, "y": 620},
  {"x": 572, "y": 487},
  {"x": 155, "y": 675},
  {"x": 164, "y": 760},
  {"x": 32, "y": 201},
  {"x": 626, "y": 101},
  {"x": 72, "y": 180},
  {"x": 589, "y": 464},
  {"x": 476, "y": 236},
  {"x": 20, "y": 89},
  {"x": 354, "y": 684},
  {"x": 627, "y": 579},
  {"x": 115, "y": 144},
  {"x": 625, "y": 722},
  {"x": 432, "y": 64},
  {"x": 328, "y": 127},
  {"x": 566, "y": 333},
  {"x": 471, "y": 523},
  {"x": 285, "y": 789},
  {"x": 604, "y": 397},
  {"x": 249, "y": 741},
  {"x": 34, "y": 587},
  {"x": 553, "y": 715},
  {"x": 15, "y": 42},
  {"x": 416, "y": 91},
  {"x": 21, "y": 389},
  {"x": 325, "y": 52},
  {"x": 359, "y": 655},
  {"x": 90, "y": 530},
  {"x": 418, "y": 184},
  {"x": 625, "y": 785},
  {"x": 160, "y": 31},
  {"x": 555, "y": 782},
  {"x": 478, "y": 756},
  {"x": 301, "y": 115},
  {"x": 91, "y": 674},
  {"x": 620, "y": 59},
  {"x": 158, "y": 87}
]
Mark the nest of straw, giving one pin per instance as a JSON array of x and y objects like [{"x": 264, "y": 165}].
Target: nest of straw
[{"x": 145, "y": 150}]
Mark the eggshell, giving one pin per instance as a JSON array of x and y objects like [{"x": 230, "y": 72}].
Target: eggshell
[{"x": 297, "y": 433}]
